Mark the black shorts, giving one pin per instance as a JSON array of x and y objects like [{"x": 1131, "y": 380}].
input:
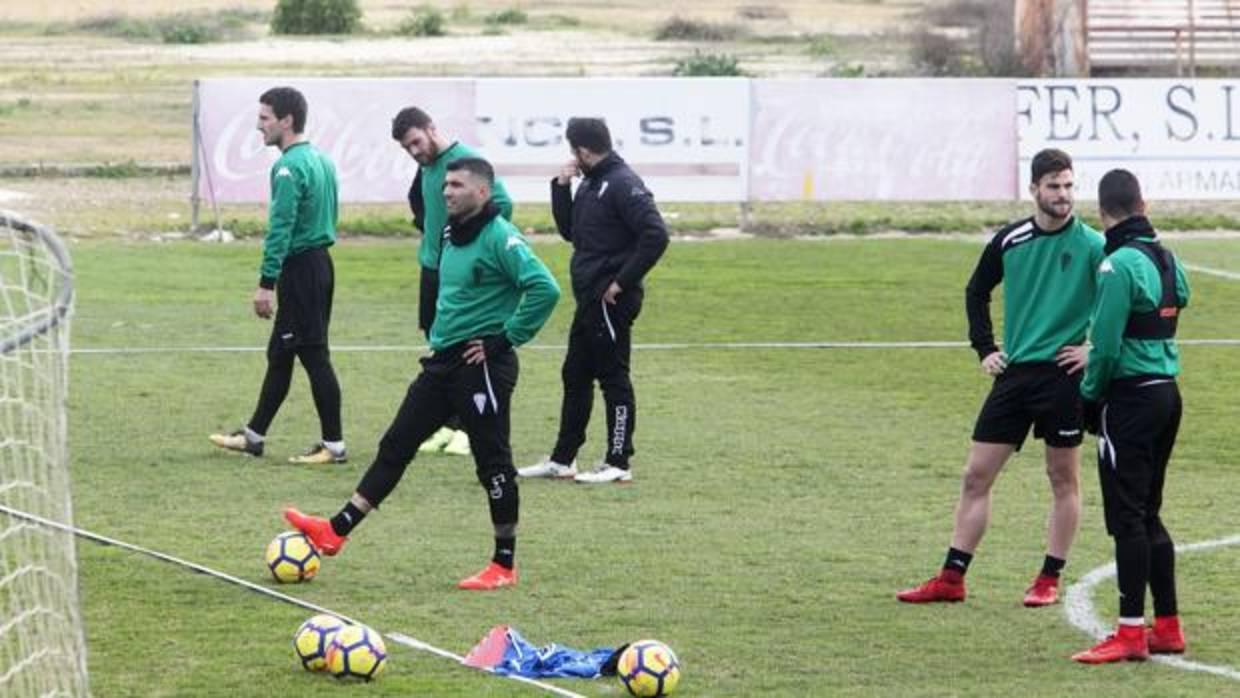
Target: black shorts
[
  {"x": 1039, "y": 394},
  {"x": 304, "y": 299}
]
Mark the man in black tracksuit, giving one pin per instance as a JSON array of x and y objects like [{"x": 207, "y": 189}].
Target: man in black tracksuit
[
  {"x": 617, "y": 236},
  {"x": 1132, "y": 402},
  {"x": 494, "y": 294}
]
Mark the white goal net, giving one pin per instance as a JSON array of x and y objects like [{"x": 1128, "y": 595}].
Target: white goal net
[{"x": 42, "y": 647}]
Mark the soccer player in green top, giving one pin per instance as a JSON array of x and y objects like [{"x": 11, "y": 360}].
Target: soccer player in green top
[
  {"x": 296, "y": 280},
  {"x": 1133, "y": 404},
  {"x": 494, "y": 294},
  {"x": 418, "y": 135},
  {"x": 1046, "y": 264}
]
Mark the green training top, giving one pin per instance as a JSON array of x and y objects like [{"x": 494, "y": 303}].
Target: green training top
[
  {"x": 436, "y": 215},
  {"x": 303, "y": 208},
  {"x": 1129, "y": 282},
  {"x": 1048, "y": 287},
  {"x": 492, "y": 285}
]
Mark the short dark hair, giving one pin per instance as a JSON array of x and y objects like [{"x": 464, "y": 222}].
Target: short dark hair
[
  {"x": 1119, "y": 194},
  {"x": 407, "y": 118},
  {"x": 589, "y": 133},
  {"x": 475, "y": 166},
  {"x": 284, "y": 101},
  {"x": 1049, "y": 161}
]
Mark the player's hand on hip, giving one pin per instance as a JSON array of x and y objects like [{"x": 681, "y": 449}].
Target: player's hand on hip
[
  {"x": 994, "y": 363},
  {"x": 614, "y": 290},
  {"x": 475, "y": 352},
  {"x": 1073, "y": 358},
  {"x": 264, "y": 302}
]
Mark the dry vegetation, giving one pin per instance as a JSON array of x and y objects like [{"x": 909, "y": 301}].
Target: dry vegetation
[
  {"x": 70, "y": 92},
  {"x": 843, "y": 16}
]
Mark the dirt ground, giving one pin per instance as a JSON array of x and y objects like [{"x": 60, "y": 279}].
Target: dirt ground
[
  {"x": 75, "y": 97},
  {"x": 837, "y": 16},
  {"x": 81, "y": 97}
]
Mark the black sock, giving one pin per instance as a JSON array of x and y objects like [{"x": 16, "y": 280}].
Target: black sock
[
  {"x": 505, "y": 552},
  {"x": 1052, "y": 566},
  {"x": 1132, "y": 560},
  {"x": 1162, "y": 578},
  {"x": 348, "y": 517},
  {"x": 957, "y": 560}
]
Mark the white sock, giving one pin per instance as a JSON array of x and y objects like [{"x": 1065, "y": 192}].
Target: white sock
[
  {"x": 1132, "y": 621},
  {"x": 253, "y": 436},
  {"x": 336, "y": 447}
]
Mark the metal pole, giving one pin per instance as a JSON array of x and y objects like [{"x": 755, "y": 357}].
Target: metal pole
[
  {"x": 195, "y": 165},
  {"x": 1192, "y": 39}
]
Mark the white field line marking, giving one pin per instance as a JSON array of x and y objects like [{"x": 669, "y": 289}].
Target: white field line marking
[
  {"x": 1212, "y": 272},
  {"x": 1079, "y": 608},
  {"x": 659, "y": 346},
  {"x": 398, "y": 637},
  {"x": 662, "y": 346},
  {"x": 1221, "y": 273}
]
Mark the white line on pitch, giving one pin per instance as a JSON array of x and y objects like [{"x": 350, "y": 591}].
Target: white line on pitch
[
  {"x": 1212, "y": 272},
  {"x": 398, "y": 637},
  {"x": 658, "y": 346},
  {"x": 1079, "y": 608}
]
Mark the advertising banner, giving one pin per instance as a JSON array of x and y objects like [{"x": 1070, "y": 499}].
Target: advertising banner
[
  {"x": 350, "y": 120},
  {"x": 687, "y": 138},
  {"x": 1180, "y": 137},
  {"x": 890, "y": 139},
  {"x": 735, "y": 139}
]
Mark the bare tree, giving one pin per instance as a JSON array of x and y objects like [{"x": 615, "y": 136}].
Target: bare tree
[{"x": 1050, "y": 37}]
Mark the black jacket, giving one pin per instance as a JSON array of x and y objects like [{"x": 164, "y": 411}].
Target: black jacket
[{"x": 616, "y": 230}]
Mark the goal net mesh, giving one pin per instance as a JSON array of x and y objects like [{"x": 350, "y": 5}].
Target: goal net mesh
[{"x": 42, "y": 646}]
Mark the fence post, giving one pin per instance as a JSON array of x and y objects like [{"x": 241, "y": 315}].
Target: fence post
[
  {"x": 1192, "y": 39},
  {"x": 195, "y": 166},
  {"x": 1050, "y": 37}
]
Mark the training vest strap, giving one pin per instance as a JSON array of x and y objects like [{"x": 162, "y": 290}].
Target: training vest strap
[{"x": 1159, "y": 323}]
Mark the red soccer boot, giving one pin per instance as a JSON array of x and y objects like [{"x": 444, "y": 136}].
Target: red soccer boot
[
  {"x": 1165, "y": 637},
  {"x": 318, "y": 530},
  {"x": 1127, "y": 644}
]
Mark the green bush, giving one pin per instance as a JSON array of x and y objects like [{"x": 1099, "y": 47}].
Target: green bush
[
  {"x": 316, "y": 17},
  {"x": 558, "y": 20},
  {"x": 822, "y": 46},
  {"x": 512, "y": 15},
  {"x": 847, "y": 70},
  {"x": 181, "y": 28},
  {"x": 424, "y": 21},
  {"x": 681, "y": 29},
  {"x": 121, "y": 26},
  {"x": 184, "y": 29},
  {"x": 708, "y": 65},
  {"x": 114, "y": 170}
]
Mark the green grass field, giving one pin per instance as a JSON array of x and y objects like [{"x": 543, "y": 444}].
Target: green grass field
[{"x": 782, "y": 496}]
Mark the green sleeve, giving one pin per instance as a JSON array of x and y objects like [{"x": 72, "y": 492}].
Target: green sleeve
[
  {"x": 281, "y": 217},
  {"x": 1106, "y": 333},
  {"x": 539, "y": 290},
  {"x": 1181, "y": 284},
  {"x": 502, "y": 199}
]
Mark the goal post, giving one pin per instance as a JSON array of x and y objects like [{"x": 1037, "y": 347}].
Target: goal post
[{"x": 42, "y": 644}]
